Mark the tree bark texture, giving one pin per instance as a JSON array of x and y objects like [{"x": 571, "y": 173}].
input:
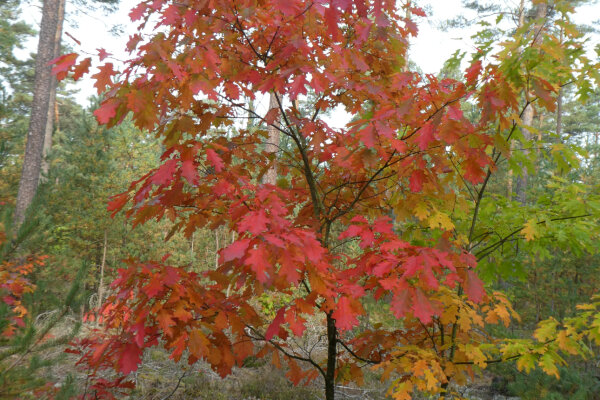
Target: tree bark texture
[
  {"x": 32, "y": 162},
  {"x": 331, "y": 358},
  {"x": 52, "y": 105},
  {"x": 521, "y": 182}
]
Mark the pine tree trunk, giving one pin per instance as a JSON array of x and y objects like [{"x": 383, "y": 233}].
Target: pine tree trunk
[
  {"x": 521, "y": 182},
  {"x": 32, "y": 162},
  {"x": 559, "y": 101},
  {"x": 52, "y": 105},
  {"x": 509, "y": 184}
]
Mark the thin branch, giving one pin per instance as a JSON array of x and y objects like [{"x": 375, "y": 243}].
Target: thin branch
[
  {"x": 491, "y": 248},
  {"x": 345, "y": 346},
  {"x": 176, "y": 387}
]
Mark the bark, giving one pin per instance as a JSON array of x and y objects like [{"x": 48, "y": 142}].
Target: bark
[
  {"x": 509, "y": 184},
  {"x": 32, "y": 162},
  {"x": 273, "y": 143},
  {"x": 521, "y": 182},
  {"x": 331, "y": 358},
  {"x": 52, "y": 105},
  {"x": 559, "y": 101},
  {"x": 102, "y": 265}
]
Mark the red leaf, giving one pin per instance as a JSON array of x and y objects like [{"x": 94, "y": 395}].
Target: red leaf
[
  {"x": 104, "y": 77},
  {"x": 274, "y": 327},
  {"x": 368, "y": 136},
  {"x": 214, "y": 160},
  {"x": 455, "y": 113},
  {"x": 425, "y": 136},
  {"x": 473, "y": 72},
  {"x": 351, "y": 231},
  {"x": 272, "y": 115},
  {"x": 289, "y": 269},
  {"x": 400, "y": 303},
  {"x": 102, "y": 54},
  {"x": 62, "y": 65},
  {"x": 274, "y": 240},
  {"x": 295, "y": 322},
  {"x": 287, "y": 7},
  {"x": 130, "y": 358},
  {"x": 411, "y": 266},
  {"x": 164, "y": 173},
  {"x": 82, "y": 68},
  {"x": 422, "y": 308},
  {"x": 254, "y": 222},
  {"x": 107, "y": 110},
  {"x": 544, "y": 90},
  {"x": 417, "y": 11},
  {"x": 235, "y": 250},
  {"x": 416, "y": 180},
  {"x": 137, "y": 12},
  {"x": 153, "y": 287},
  {"x": 473, "y": 171},
  {"x": 344, "y": 315},
  {"x": 298, "y": 87},
  {"x": 331, "y": 20},
  {"x": 258, "y": 261},
  {"x": 313, "y": 249},
  {"x": 474, "y": 287},
  {"x": 189, "y": 172}
]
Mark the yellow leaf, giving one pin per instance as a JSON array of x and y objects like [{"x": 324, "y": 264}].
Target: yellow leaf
[
  {"x": 530, "y": 230},
  {"x": 401, "y": 390},
  {"x": 421, "y": 211},
  {"x": 419, "y": 367},
  {"x": 548, "y": 365},
  {"x": 546, "y": 330},
  {"x": 476, "y": 355},
  {"x": 440, "y": 220},
  {"x": 432, "y": 381},
  {"x": 526, "y": 362}
]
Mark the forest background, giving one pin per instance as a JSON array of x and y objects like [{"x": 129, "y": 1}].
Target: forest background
[{"x": 545, "y": 269}]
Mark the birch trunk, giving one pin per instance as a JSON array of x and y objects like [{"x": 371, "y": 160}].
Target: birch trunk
[{"x": 102, "y": 266}]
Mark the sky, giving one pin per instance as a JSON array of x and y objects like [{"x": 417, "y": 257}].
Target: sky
[{"x": 429, "y": 50}]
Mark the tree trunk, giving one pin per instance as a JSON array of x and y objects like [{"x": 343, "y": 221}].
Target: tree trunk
[
  {"x": 559, "y": 101},
  {"x": 52, "y": 105},
  {"x": 32, "y": 162},
  {"x": 521, "y": 183},
  {"x": 273, "y": 143},
  {"x": 509, "y": 184},
  {"x": 331, "y": 358},
  {"x": 102, "y": 265}
]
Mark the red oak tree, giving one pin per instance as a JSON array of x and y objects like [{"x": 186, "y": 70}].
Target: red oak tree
[{"x": 333, "y": 230}]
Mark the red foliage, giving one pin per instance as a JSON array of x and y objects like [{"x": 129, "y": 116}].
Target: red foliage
[{"x": 408, "y": 143}]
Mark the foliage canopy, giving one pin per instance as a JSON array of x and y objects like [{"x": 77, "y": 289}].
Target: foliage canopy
[{"x": 386, "y": 208}]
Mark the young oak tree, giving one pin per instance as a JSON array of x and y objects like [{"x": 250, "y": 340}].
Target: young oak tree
[{"x": 321, "y": 238}]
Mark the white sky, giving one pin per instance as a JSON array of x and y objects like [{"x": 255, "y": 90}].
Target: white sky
[{"x": 429, "y": 50}]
